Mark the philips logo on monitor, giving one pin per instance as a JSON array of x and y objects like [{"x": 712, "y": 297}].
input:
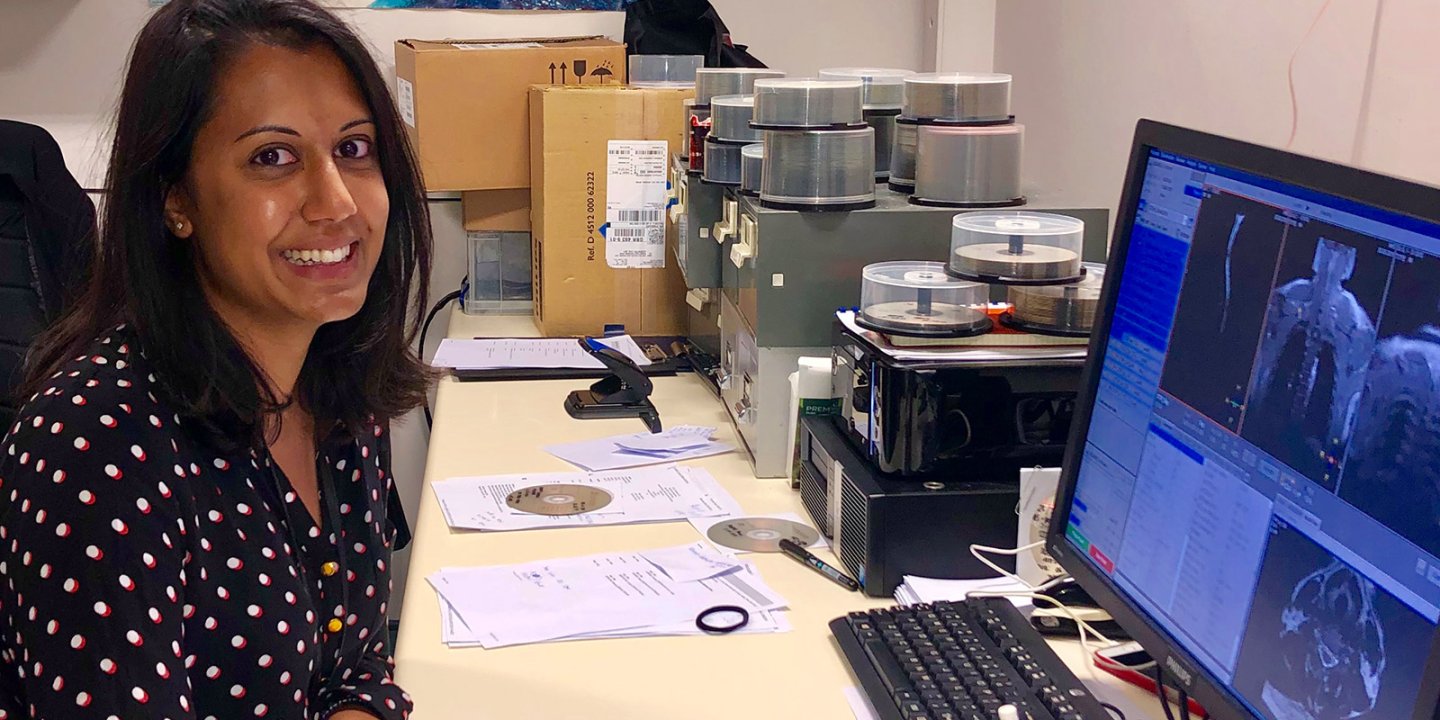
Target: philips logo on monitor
[{"x": 1178, "y": 671}]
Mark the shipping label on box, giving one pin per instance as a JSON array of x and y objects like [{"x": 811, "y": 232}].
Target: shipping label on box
[{"x": 635, "y": 177}]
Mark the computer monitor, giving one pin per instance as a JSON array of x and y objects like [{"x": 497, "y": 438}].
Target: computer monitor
[{"x": 1252, "y": 487}]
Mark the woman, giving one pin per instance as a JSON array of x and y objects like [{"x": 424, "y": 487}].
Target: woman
[{"x": 194, "y": 518}]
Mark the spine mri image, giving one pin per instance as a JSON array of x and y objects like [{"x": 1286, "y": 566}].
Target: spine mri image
[{"x": 1312, "y": 362}]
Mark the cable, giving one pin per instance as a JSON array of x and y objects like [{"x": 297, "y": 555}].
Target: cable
[
  {"x": 1117, "y": 712},
  {"x": 1290, "y": 75},
  {"x": 1112, "y": 664},
  {"x": 1184, "y": 703},
  {"x": 1162, "y": 693},
  {"x": 1083, "y": 626},
  {"x": 425, "y": 330},
  {"x": 977, "y": 549}
]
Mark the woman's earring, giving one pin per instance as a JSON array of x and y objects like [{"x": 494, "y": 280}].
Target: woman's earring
[{"x": 179, "y": 226}]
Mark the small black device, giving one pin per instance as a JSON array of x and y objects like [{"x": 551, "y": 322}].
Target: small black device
[
  {"x": 959, "y": 660},
  {"x": 919, "y": 416},
  {"x": 625, "y": 392},
  {"x": 885, "y": 527}
]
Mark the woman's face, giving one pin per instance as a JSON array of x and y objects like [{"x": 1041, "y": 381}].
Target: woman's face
[{"x": 284, "y": 198}]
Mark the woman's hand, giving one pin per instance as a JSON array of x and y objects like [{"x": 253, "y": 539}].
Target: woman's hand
[{"x": 350, "y": 714}]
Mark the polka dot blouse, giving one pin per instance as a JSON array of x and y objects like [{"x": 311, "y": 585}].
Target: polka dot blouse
[{"x": 143, "y": 575}]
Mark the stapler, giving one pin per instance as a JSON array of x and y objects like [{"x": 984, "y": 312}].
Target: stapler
[{"x": 625, "y": 392}]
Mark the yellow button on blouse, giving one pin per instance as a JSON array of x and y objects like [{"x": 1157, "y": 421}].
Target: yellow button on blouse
[
  {"x": 334, "y": 625},
  {"x": 329, "y": 568}
]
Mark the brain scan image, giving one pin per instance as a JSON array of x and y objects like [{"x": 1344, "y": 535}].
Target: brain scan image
[
  {"x": 1326, "y": 642},
  {"x": 1333, "y": 645}
]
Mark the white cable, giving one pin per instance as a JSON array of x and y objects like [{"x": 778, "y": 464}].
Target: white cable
[
  {"x": 977, "y": 549},
  {"x": 1081, "y": 625}
]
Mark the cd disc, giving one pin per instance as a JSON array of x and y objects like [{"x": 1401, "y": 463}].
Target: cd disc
[
  {"x": 558, "y": 499},
  {"x": 919, "y": 298},
  {"x": 761, "y": 534},
  {"x": 1059, "y": 309},
  {"x": 1033, "y": 262},
  {"x": 942, "y": 319}
]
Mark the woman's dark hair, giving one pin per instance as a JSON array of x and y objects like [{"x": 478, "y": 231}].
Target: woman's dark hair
[{"x": 146, "y": 276}]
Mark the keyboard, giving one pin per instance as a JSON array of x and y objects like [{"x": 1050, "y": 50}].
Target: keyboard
[{"x": 960, "y": 661}]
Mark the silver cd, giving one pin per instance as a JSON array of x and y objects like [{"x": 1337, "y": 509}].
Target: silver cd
[
  {"x": 558, "y": 499},
  {"x": 761, "y": 534},
  {"x": 1033, "y": 262},
  {"x": 905, "y": 316}
]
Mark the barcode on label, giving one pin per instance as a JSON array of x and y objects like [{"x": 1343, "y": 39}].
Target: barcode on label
[
  {"x": 650, "y": 151},
  {"x": 640, "y": 216},
  {"x": 629, "y": 233}
]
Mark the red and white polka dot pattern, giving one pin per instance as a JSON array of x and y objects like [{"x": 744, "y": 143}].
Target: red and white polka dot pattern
[{"x": 144, "y": 574}]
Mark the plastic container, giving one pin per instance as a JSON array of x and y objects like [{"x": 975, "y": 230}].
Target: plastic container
[
  {"x": 752, "y": 168},
  {"x": 730, "y": 119},
  {"x": 884, "y": 87},
  {"x": 819, "y": 170},
  {"x": 1016, "y": 247},
  {"x": 968, "y": 166},
  {"x": 920, "y": 299},
  {"x": 1064, "y": 310},
  {"x": 714, "y": 82},
  {"x": 722, "y": 162},
  {"x": 902, "y": 156},
  {"x": 884, "y": 97},
  {"x": 664, "y": 70},
  {"x": 500, "y": 277},
  {"x": 807, "y": 104},
  {"x": 940, "y": 98}
]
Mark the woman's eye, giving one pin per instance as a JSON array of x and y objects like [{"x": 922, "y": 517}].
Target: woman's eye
[
  {"x": 274, "y": 157},
  {"x": 354, "y": 148}
]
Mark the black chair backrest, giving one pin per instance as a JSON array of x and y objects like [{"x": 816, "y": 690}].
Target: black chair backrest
[{"x": 47, "y": 239}]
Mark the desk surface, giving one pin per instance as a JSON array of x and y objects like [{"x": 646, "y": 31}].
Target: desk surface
[{"x": 499, "y": 427}]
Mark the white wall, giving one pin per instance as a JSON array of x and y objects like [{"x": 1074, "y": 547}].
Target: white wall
[
  {"x": 1397, "y": 130},
  {"x": 802, "y": 36},
  {"x": 961, "y": 34},
  {"x": 1086, "y": 71}
]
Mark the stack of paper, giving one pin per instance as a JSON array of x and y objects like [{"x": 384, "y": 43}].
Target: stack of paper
[
  {"x": 658, "y": 494},
  {"x": 543, "y": 353},
  {"x": 915, "y": 589},
  {"x": 609, "y": 595},
  {"x": 685, "y": 442}
]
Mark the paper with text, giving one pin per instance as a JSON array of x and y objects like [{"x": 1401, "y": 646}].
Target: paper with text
[
  {"x": 530, "y": 353},
  {"x": 653, "y": 494}
]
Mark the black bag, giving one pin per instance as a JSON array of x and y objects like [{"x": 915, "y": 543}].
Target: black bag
[
  {"x": 47, "y": 238},
  {"x": 683, "y": 27}
]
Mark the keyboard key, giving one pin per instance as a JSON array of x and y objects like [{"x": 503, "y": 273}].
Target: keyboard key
[
  {"x": 934, "y": 698},
  {"x": 884, "y": 663},
  {"x": 914, "y": 711}
]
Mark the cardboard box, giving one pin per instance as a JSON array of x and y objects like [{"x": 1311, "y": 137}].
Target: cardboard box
[
  {"x": 504, "y": 210},
  {"x": 465, "y": 102},
  {"x": 583, "y": 282}
]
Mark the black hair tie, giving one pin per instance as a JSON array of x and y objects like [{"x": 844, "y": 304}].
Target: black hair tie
[{"x": 701, "y": 622}]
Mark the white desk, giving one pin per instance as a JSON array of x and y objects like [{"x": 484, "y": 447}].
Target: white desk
[{"x": 498, "y": 427}]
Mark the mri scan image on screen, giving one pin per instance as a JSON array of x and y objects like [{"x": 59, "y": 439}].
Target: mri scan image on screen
[{"x": 1324, "y": 642}]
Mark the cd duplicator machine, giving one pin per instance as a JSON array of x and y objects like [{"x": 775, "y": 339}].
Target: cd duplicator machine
[{"x": 962, "y": 317}]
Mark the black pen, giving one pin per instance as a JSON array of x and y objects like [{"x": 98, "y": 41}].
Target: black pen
[{"x": 793, "y": 549}]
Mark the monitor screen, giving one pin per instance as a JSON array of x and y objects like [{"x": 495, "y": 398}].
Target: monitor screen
[{"x": 1260, "y": 474}]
